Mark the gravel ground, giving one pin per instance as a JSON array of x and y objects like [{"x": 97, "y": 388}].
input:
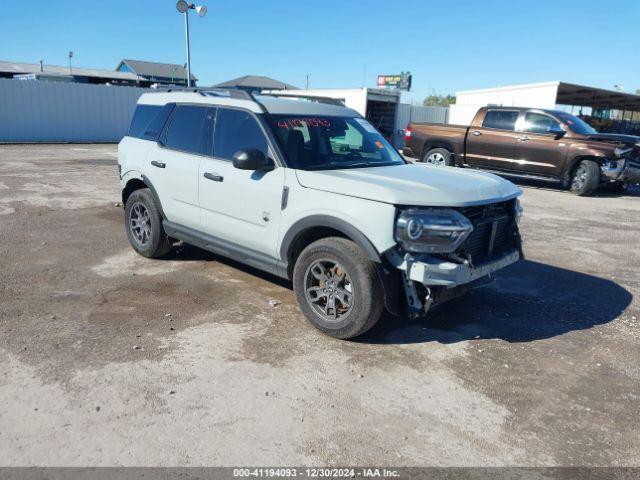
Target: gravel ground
[{"x": 107, "y": 358}]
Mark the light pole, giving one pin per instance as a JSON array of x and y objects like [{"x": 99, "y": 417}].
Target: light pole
[{"x": 184, "y": 7}]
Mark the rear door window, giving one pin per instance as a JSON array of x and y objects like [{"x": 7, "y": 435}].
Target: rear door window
[
  {"x": 237, "y": 130},
  {"x": 187, "y": 130},
  {"x": 500, "y": 119}
]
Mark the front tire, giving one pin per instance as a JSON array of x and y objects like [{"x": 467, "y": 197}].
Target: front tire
[
  {"x": 337, "y": 288},
  {"x": 586, "y": 178},
  {"x": 440, "y": 157},
  {"x": 143, "y": 223}
]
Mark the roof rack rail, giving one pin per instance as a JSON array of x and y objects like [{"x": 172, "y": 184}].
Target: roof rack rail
[
  {"x": 312, "y": 98},
  {"x": 227, "y": 92},
  {"x": 246, "y": 95},
  {"x": 209, "y": 91},
  {"x": 176, "y": 89}
]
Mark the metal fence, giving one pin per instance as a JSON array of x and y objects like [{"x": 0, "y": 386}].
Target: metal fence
[
  {"x": 41, "y": 111},
  {"x": 409, "y": 113}
]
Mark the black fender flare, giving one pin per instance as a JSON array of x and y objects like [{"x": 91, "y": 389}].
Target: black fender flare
[
  {"x": 154, "y": 192},
  {"x": 388, "y": 275},
  {"x": 327, "y": 221}
]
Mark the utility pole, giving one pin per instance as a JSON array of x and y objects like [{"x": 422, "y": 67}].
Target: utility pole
[
  {"x": 186, "y": 29},
  {"x": 70, "y": 57},
  {"x": 184, "y": 7}
]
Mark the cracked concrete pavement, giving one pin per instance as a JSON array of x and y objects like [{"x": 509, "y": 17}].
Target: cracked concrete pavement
[{"x": 539, "y": 369}]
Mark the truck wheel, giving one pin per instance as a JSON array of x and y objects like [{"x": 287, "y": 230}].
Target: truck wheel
[
  {"x": 438, "y": 156},
  {"x": 337, "y": 288},
  {"x": 586, "y": 178},
  {"x": 143, "y": 223}
]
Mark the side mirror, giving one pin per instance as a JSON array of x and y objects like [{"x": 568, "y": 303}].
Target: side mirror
[
  {"x": 252, "y": 159},
  {"x": 557, "y": 131}
]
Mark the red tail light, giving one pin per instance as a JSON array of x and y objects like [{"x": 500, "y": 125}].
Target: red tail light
[{"x": 407, "y": 134}]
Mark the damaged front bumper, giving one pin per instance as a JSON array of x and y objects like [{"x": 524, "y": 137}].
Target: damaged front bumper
[
  {"x": 433, "y": 271},
  {"x": 622, "y": 170},
  {"x": 443, "y": 279}
]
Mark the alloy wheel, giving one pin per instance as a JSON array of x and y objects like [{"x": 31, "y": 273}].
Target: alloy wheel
[
  {"x": 436, "y": 158},
  {"x": 329, "y": 290},
  {"x": 140, "y": 224},
  {"x": 579, "y": 179}
]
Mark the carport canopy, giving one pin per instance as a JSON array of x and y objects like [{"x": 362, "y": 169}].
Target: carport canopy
[{"x": 579, "y": 95}]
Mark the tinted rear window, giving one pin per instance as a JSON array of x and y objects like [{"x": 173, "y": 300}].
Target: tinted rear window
[
  {"x": 186, "y": 130},
  {"x": 141, "y": 118},
  {"x": 154, "y": 128},
  {"x": 500, "y": 119}
]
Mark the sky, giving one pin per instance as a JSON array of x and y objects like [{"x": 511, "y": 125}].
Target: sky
[{"x": 448, "y": 46}]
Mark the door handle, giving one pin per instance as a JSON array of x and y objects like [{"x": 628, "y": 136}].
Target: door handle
[
  {"x": 522, "y": 138},
  {"x": 213, "y": 176},
  {"x": 158, "y": 164},
  {"x": 476, "y": 133}
]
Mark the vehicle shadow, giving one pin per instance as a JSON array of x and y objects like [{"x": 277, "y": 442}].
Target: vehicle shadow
[
  {"x": 528, "y": 301},
  {"x": 184, "y": 252},
  {"x": 632, "y": 190}
]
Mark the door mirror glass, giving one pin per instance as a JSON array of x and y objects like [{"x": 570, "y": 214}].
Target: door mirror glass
[{"x": 252, "y": 159}]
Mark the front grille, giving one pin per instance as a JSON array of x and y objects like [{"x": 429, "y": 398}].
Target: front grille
[{"x": 494, "y": 231}]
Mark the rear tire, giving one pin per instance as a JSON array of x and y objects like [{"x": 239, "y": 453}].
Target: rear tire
[
  {"x": 143, "y": 224},
  {"x": 440, "y": 157},
  {"x": 586, "y": 178},
  {"x": 337, "y": 288}
]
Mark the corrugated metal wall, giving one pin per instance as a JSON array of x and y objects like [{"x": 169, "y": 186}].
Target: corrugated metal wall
[
  {"x": 40, "y": 111},
  {"x": 408, "y": 113}
]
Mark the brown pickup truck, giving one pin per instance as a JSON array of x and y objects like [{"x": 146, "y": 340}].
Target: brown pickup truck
[{"x": 532, "y": 143}]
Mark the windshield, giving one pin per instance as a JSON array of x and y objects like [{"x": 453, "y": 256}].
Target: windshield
[
  {"x": 575, "y": 124},
  {"x": 327, "y": 143}
]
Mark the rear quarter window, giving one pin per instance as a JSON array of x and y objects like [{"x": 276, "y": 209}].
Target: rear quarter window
[{"x": 141, "y": 118}]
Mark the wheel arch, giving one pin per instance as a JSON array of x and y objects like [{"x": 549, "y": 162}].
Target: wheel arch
[
  {"x": 309, "y": 229},
  {"x": 312, "y": 228},
  {"x": 136, "y": 181},
  {"x": 573, "y": 163},
  {"x": 431, "y": 144}
]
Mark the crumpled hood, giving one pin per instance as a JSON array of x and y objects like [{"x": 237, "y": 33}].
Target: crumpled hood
[
  {"x": 421, "y": 185},
  {"x": 630, "y": 140}
]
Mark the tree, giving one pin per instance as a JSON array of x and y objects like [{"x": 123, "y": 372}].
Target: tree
[{"x": 439, "y": 100}]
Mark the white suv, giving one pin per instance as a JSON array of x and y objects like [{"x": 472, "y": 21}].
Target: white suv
[{"x": 311, "y": 192}]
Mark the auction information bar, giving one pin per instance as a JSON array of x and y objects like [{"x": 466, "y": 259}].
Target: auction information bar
[{"x": 223, "y": 473}]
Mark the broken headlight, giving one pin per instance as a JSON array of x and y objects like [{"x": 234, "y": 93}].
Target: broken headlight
[
  {"x": 517, "y": 210},
  {"x": 432, "y": 230}
]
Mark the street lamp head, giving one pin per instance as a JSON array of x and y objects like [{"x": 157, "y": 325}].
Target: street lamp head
[
  {"x": 182, "y": 6},
  {"x": 201, "y": 10}
]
